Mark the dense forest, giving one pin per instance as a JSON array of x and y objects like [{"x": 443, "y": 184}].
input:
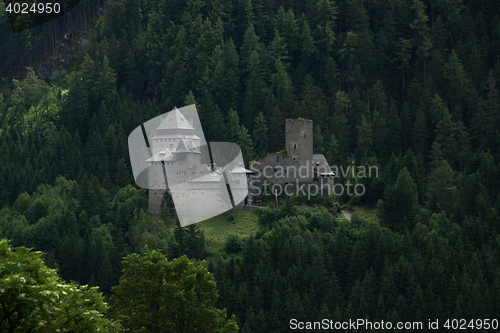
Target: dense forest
[{"x": 409, "y": 86}]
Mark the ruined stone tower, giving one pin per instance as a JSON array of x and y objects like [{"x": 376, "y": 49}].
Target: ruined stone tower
[
  {"x": 299, "y": 143},
  {"x": 299, "y": 165},
  {"x": 299, "y": 139}
]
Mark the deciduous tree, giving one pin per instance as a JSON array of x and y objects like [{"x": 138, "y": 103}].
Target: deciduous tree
[{"x": 156, "y": 294}]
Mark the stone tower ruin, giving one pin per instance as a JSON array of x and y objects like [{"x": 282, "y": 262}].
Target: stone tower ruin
[{"x": 299, "y": 139}]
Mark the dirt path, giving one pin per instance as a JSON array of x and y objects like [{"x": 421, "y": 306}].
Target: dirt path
[{"x": 347, "y": 215}]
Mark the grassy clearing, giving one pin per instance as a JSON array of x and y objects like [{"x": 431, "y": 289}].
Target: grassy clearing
[
  {"x": 217, "y": 228},
  {"x": 367, "y": 213}
]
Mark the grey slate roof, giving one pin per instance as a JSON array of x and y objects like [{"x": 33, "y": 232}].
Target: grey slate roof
[
  {"x": 240, "y": 169},
  {"x": 163, "y": 155},
  {"x": 175, "y": 120},
  {"x": 321, "y": 164}
]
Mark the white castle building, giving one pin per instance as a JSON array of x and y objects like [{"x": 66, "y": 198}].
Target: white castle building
[{"x": 198, "y": 189}]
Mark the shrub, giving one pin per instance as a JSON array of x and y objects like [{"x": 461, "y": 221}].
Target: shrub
[{"x": 234, "y": 244}]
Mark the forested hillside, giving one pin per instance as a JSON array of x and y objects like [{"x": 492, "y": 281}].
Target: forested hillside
[{"x": 409, "y": 86}]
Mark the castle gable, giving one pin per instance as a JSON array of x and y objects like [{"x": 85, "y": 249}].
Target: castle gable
[
  {"x": 163, "y": 155},
  {"x": 182, "y": 146}
]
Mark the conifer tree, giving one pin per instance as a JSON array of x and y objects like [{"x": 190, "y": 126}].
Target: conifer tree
[
  {"x": 246, "y": 144},
  {"x": 422, "y": 38},
  {"x": 400, "y": 202},
  {"x": 260, "y": 135}
]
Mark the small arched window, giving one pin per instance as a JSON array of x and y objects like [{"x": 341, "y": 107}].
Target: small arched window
[
  {"x": 305, "y": 135},
  {"x": 295, "y": 146}
]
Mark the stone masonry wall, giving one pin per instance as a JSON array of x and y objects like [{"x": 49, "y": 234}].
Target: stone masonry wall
[{"x": 299, "y": 139}]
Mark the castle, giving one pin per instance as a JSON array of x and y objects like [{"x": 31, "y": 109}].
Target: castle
[
  {"x": 198, "y": 186},
  {"x": 180, "y": 163},
  {"x": 299, "y": 165}
]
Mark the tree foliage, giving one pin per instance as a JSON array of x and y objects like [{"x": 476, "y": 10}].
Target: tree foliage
[
  {"x": 34, "y": 298},
  {"x": 172, "y": 296}
]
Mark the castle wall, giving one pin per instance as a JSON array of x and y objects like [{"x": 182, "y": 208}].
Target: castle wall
[
  {"x": 285, "y": 171},
  {"x": 155, "y": 199},
  {"x": 157, "y": 186}
]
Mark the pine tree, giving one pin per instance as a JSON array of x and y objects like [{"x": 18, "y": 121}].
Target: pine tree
[
  {"x": 325, "y": 24},
  {"x": 218, "y": 125},
  {"x": 332, "y": 77},
  {"x": 260, "y": 135},
  {"x": 233, "y": 125},
  {"x": 492, "y": 99},
  {"x": 254, "y": 95},
  {"x": 246, "y": 144},
  {"x": 277, "y": 48},
  {"x": 364, "y": 139},
  {"x": 458, "y": 87},
  {"x": 419, "y": 133},
  {"x": 436, "y": 155},
  {"x": 441, "y": 185},
  {"x": 105, "y": 276},
  {"x": 404, "y": 55},
  {"x": 421, "y": 31},
  {"x": 277, "y": 134},
  {"x": 380, "y": 134},
  {"x": 318, "y": 142},
  {"x": 400, "y": 202},
  {"x": 308, "y": 47},
  {"x": 348, "y": 55},
  {"x": 357, "y": 17},
  {"x": 250, "y": 44}
]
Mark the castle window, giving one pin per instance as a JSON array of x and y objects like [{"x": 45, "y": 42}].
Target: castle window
[
  {"x": 295, "y": 146},
  {"x": 305, "y": 135}
]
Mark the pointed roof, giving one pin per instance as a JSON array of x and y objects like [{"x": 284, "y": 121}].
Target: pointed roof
[
  {"x": 322, "y": 165},
  {"x": 163, "y": 155},
  {"x": 182, "y": 146},
  {"x": 240, "y": 169},
  {"x": 175, "y": 120}
]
